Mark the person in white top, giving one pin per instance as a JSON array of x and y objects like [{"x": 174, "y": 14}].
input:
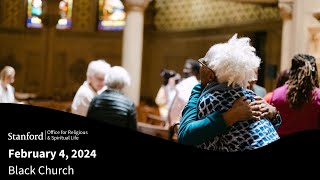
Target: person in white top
[
  {"x": 167, "y": 91},
  {"x": 94, "y": 85},
  {"x": 191, "y": 73},
  {"x": 7, "y": 76}
]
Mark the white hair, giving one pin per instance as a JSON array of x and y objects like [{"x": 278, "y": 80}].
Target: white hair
[
  {"x": 6, "y": 72},
  {"x": 234, "y": 62},
  {"x": 99, "y": 66},
  {"x": 118, "y": 78}
]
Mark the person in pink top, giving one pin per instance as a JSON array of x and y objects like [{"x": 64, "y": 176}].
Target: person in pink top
[{"x": 298, "y": 101}]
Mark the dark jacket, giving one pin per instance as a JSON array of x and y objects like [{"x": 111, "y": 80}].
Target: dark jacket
[{"x": 114, "y": 108}]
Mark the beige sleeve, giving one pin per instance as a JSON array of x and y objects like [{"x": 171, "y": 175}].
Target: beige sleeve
[
  {"x": 161, "y": 98},
  {"x": 80, "y": 105}
]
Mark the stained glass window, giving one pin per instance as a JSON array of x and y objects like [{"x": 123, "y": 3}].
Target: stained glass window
[
  {"x": 111, "y": 15},
  {"x": 65, "y": 11},
  {"x": 34, "y": 13}
]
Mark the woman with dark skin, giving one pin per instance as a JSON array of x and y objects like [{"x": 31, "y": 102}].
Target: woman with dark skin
[{"x": 194, "y": 130}]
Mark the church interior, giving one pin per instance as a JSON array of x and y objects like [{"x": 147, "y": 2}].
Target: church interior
[{"x": 51, "y": 42}]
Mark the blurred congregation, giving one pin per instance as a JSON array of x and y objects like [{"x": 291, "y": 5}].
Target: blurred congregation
[{"x": 174, "y": 69}]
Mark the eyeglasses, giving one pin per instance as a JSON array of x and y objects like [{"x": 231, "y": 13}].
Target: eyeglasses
[{"x": 203, "y": 63}]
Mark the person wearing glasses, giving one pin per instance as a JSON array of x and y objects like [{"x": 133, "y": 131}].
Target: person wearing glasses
[{"x": 222, "y": 114}]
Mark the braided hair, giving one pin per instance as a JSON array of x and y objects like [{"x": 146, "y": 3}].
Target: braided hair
[{"x": 303, "y": 78}]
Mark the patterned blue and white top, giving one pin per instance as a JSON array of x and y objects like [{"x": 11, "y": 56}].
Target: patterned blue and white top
[{"x": 245, "y": 135}]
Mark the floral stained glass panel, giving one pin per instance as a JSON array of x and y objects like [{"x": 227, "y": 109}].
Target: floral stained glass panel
[
  {"x": 111, "y": 15},
  {"x": 65, "y": 11},
  {"x": 34, "y": 13}
]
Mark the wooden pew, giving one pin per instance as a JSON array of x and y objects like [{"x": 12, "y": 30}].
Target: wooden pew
[
  {"x": 52, "y": 104},
  {"x": 153, "y": 130}
]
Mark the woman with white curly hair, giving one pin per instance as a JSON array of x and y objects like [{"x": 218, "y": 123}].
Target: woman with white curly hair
[{"x": 225, "y": 72}]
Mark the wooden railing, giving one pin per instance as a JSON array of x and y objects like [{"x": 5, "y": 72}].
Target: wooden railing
[{"x": 150, "y": 122}]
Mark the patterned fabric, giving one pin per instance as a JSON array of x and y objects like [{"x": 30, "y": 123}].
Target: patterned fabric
[{"x": 246, "y": 135}]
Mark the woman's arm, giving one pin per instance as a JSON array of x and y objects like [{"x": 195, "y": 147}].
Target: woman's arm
[{"x": 193, "y": 132}]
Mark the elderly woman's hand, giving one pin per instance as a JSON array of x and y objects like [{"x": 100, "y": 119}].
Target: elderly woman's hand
[
  {"x": 240, "y": 111},
  {"x": 243, "y": 110},
  {"x": 262, "y": 109}
]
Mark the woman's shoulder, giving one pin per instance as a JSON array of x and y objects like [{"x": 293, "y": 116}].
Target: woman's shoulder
[
  {"x": 225, "y": 94},
  {"x": 281, "y": 89},
  {"x": 247, "y": 93},
  {"x": 279, "y": 94}
]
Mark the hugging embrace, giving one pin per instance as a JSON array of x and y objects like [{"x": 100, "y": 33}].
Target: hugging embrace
[{"x": 222, "y": 113}]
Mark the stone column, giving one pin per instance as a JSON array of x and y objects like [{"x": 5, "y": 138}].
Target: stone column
[
  {"x": 132, "y": 45},
  {"x": 286, "y": 8},
  {"x": 298, "y": 18}
]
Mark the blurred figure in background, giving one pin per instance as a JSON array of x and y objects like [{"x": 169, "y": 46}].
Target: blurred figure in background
[
  {"x": 96, "y": 73},
  {"x": 191, "y": 78},
  {"x": 191, "y": 75},
  {"x": 7, "y": 76},
  {"x": 167, "y": 91},
  {"x": 112, "y": 106},
  {"x": 259, "y": 90},
  {"x": 298, "y": 101},
  {"x": 281, "y": 80}
]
